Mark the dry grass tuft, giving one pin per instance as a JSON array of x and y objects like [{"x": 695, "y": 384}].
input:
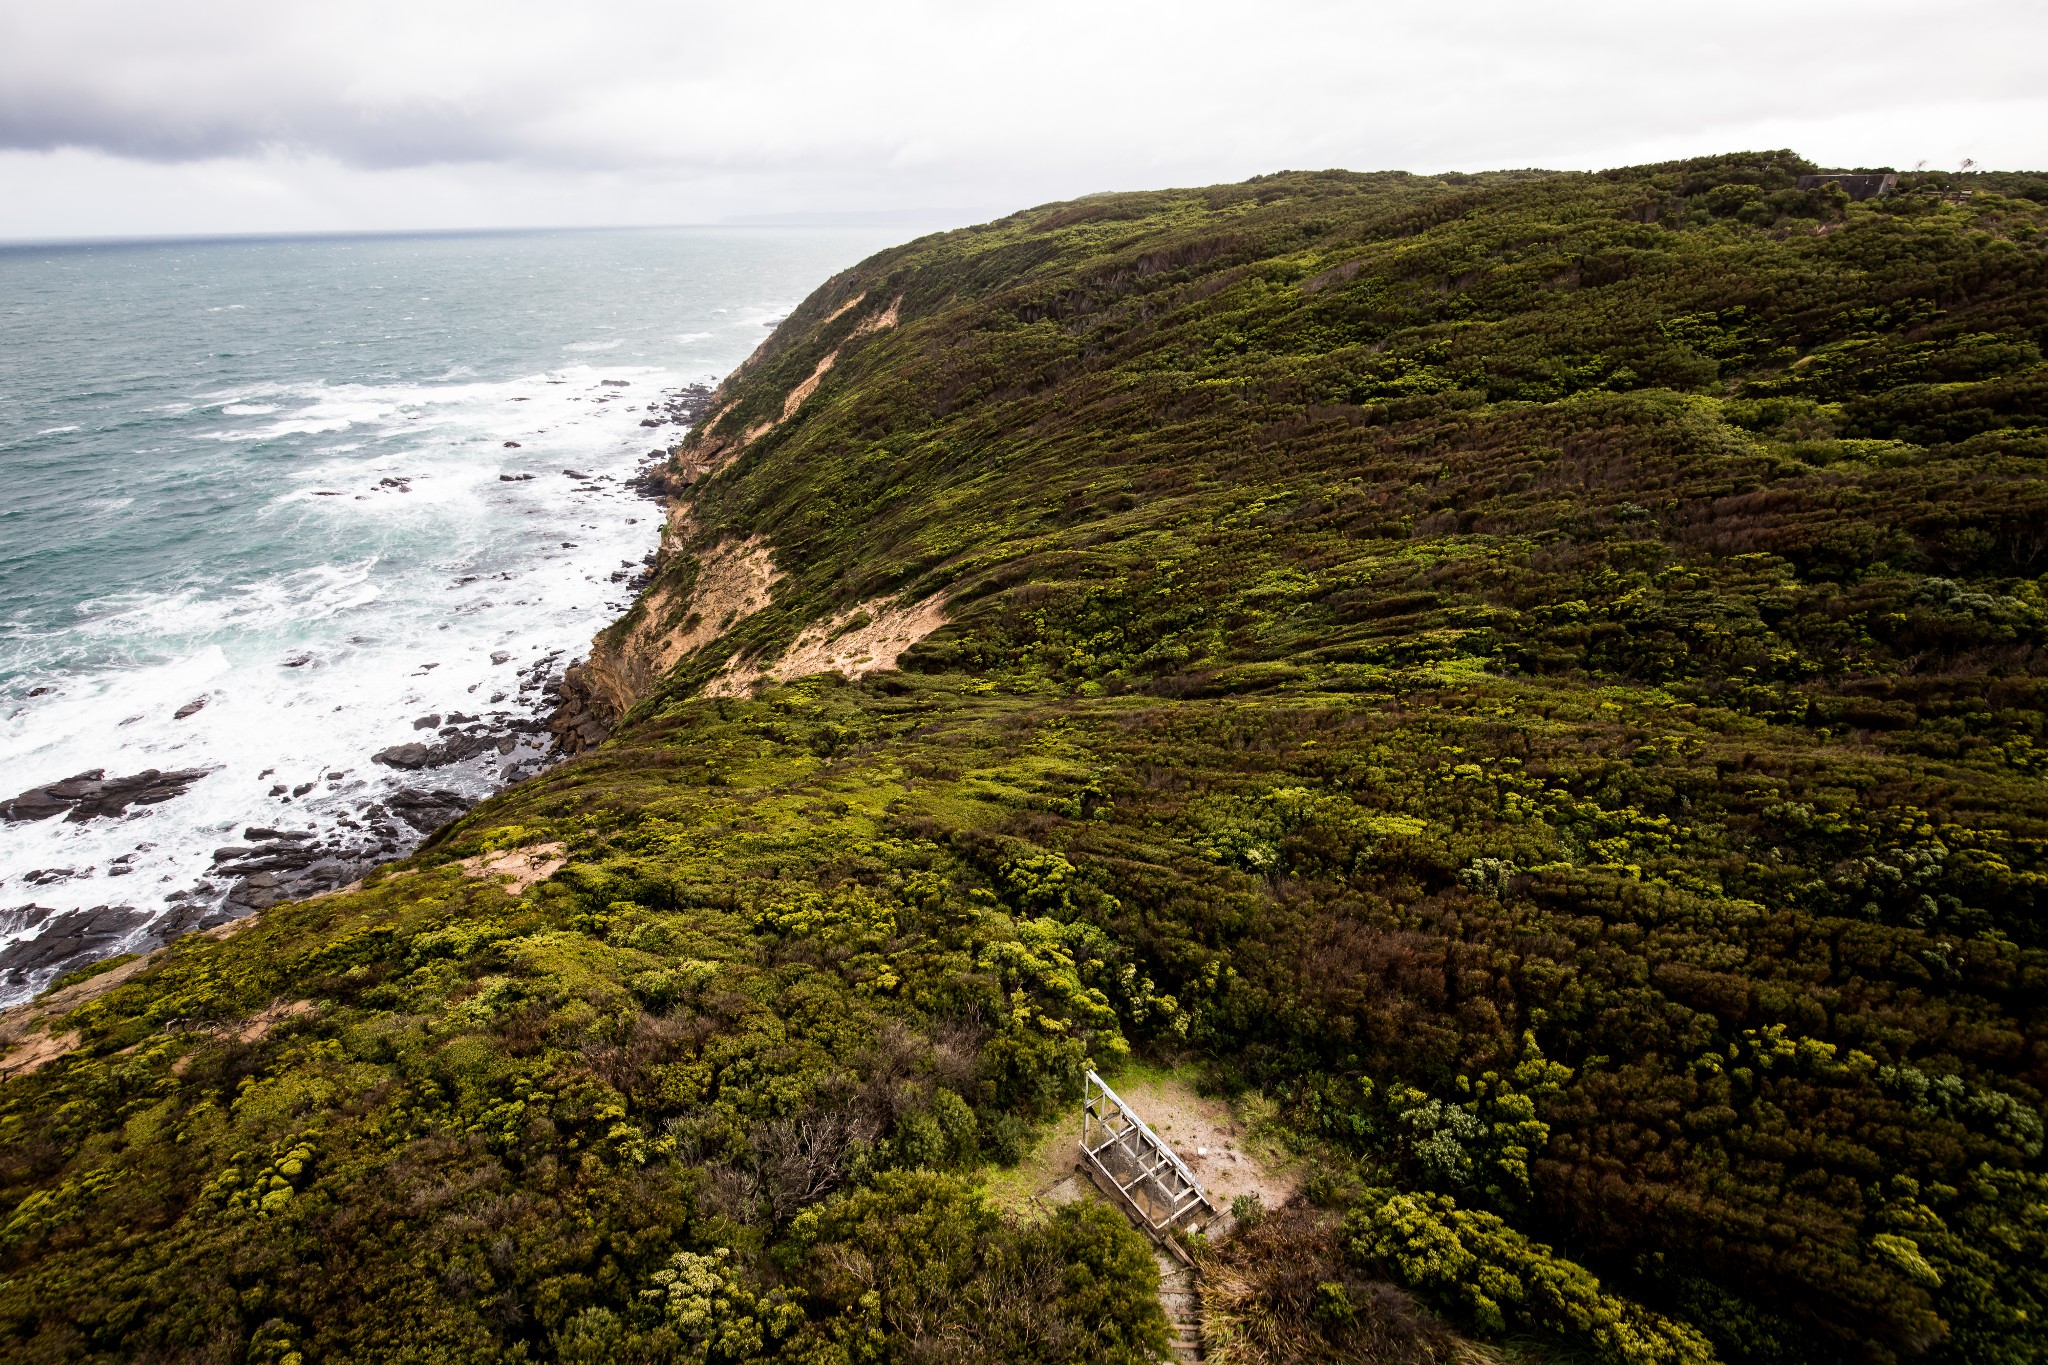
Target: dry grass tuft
[{"x": 1280, "y": 1293}]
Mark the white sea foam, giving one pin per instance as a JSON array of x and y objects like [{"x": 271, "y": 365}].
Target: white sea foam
[
  {"x": 308, "y": 672},
  {"x": 293, "y": 553}
]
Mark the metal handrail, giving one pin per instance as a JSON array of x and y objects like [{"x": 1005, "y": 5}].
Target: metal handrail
[{"x": 1164, "y": 1158}]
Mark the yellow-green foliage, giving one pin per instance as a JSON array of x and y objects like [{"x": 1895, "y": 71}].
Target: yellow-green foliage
[
  {"x": 1539, "y": 675},
  {"x": 1501, "y": 1279}
]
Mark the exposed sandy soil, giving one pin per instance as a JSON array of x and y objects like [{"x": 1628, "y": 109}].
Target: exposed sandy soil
[
  {"x": 27, "y": 1036},
  {"x": 1213, "y": 1140},
  {"x": 520, "y": 868},
  {"x": 717, "y": 454},
  {"x": 881, "y": 322},
  {"x": 35, "y": 1053},
  {"x": 257, "y": 1027},
  {"x": 804, "y": 390},
  {"x": 733, "y": 581},
  {"x": 839, "y": 645},
  {"x": 843, "y": 309}
]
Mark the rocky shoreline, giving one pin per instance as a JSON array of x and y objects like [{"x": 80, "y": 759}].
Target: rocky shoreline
[{"x": 276, "y": 863}]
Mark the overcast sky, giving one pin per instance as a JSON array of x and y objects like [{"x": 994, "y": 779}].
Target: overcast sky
[{"x": 140, "y": 117}]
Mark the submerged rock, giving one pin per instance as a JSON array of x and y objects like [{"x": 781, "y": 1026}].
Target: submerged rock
[{"x": 93, "y": 794}]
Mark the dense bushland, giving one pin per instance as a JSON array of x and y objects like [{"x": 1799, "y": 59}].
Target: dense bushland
[{"x": 1539, "y": 674}]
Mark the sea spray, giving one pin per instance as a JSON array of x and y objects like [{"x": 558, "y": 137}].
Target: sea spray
[{"x": 275, "y": 510}]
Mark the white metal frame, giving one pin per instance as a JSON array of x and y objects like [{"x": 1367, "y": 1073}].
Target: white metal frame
[{"x": 1116, "y": 1144}]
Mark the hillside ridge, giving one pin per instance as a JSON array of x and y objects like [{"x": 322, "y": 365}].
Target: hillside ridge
[{"x": 1530, "y": 684}]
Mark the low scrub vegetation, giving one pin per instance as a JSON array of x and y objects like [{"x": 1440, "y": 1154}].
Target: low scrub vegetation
[{"x": 1539, "y": 675}]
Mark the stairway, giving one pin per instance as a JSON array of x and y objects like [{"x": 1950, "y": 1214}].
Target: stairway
[{"x": 1180, "y": 1294}]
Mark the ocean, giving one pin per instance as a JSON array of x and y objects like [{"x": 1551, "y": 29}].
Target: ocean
[{"x": 271, "y": 508}]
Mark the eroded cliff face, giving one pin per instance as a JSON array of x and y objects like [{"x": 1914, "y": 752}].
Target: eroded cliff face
[
  {"x": 704, "y": 585},
  {"x": 691, "y": 600}
]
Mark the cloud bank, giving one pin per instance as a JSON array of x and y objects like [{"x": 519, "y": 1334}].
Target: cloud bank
[{"x": 220, "y": 115}]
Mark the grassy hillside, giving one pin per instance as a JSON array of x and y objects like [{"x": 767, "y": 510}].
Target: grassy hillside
[{"x": 1540, "y": 675}]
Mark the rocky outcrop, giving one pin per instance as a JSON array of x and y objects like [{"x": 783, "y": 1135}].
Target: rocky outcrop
[
  {"x": 427, "y": 811},
  {"x": 93, "y": 794},
  {"x": 67, "y": 940},
  {"x": 454, "y": 749}
]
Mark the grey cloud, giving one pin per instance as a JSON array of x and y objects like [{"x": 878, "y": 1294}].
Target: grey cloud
[
  {"x": 683, "y": 107},
  {"x": 421, "y": 134}
]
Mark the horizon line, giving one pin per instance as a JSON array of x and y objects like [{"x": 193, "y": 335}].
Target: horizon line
[{"x": 908, "y": 218}]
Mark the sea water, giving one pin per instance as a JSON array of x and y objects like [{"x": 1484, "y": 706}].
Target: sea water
[{"x": 262, "y": 483}]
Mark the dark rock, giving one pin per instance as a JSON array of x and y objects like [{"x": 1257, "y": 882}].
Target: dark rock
[
  {"x": 258, "y": 891},
  {"x": 413, "y": 757},
  {"x": 427, "y": 811},
  {"x": 584, "y": 718},
  {"x": 277, "y": 857},
  {"x": 303, "y": 788},
  {"x": 92, "y": 794},
  {"x": 190, "y": 919},
  {"x": 261, "y": 833},
  {"x": 500, "y": 657},
  {"x": 615, "y": 384},
  {"x": 511, "y": 445},
  {"x": 67, "y": 940},
  {"x": 18, "y": 918},
  {"x": 190, "y": 708},
  {"x": 426, "y": 722}
]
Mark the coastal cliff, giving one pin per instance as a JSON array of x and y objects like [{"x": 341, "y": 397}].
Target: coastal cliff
[
  {"x": 1526, "y": 689},
  {"x": 704, "y": 583}
]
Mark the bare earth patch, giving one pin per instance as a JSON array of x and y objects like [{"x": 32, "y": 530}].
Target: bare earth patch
[
  {"x": 37, "y": 1052},
  {"x": 868, "y": 638},
  {"x": 733, "y": 582},
  {"x": 521, "y": 868},
  {"x": 25, "y": 1030},
  {"x": 716, "y": 454},
  {"x": 1215, "y": 1141},
  {"x": 26, "y": 1037},
  {"x": 843, "y": 309},
  {"x": 881, "y": 322},
  {"x": 804, "y": 390}
]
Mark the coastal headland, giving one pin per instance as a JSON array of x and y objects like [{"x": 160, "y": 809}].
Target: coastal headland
[{"x": 1516, "y": 696}]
